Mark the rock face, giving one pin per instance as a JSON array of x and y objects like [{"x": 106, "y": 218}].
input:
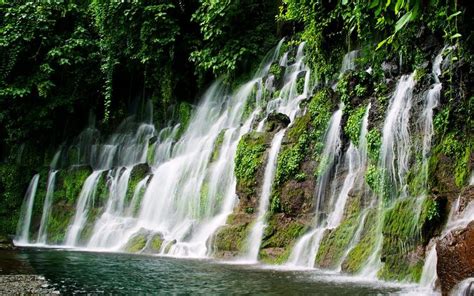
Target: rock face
[
  {"x": 276, "y": 122},
  {"x": 455, "y": 257}
]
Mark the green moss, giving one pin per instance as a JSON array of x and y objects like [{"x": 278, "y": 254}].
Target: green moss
[
  {"x": 290, "y": 158},
  {"x": 401, "y": 269},
  {"x": 277, "y": 71},
  {"x": 282, "y": 236},
  {"x": 249, "y": 156},
  {"x": 139, "y": 172},
  {"x": 136, "y": 243},
  {"x": 401, "y": 226},
  {"x": 402, "y": 229},
  {"x": 353, "y": 125},
  {"x": 231, "y": 238},
  {"x": 376, "y": 178},
  {"x": 184, "y": 116},
  {"x": 460, "y": 152},
  {"x": 69, "y": 183},
  {"x": 364, "y": 248},
  {"x": 279, "y": 237},
  {"x": 281, "y": 258},
  {"x": 351, "y": 85},
  {"x": 335, "y": 241},
  {"x": 58, "y": 222},
  {"x": 374, "y": 141},
  {"x": 102, "y": 191},
  {"x": 320, "y": 108},
  {"x": 217, "y": 146},
  {"x": 156, "y": 243},
  {"x": 420, "y": 73}
]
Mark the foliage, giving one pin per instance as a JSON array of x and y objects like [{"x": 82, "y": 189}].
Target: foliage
[
  {"x": 249, "y": 156},
  {"x": 227, "y": 42},
  {"x": 460, "y": 152},
  {"x": 354, "y": 124},
  {"x": 289, "y": 160},
  {"x": 50, "y": 67},
  {"x": 13, "y": 183},
  {"x": 374, "y": 142}
]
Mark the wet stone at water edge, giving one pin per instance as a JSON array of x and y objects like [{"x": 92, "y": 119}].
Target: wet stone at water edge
[{"x": 25, "y": 284}]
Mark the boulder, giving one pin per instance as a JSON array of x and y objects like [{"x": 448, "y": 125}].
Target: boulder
[
  {"x": 455, "y": 257},
  {"x": 276, "y": 122}
]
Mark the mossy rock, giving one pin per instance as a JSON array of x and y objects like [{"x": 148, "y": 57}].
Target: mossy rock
[
  {"x": 249, "y": 166},
  {"x": 336, "y": 241},
  {"x": 69, "y": 183},
  {"x": 139, "y": 172},
  {"x": 279, "y": 237},
  {"x": 276, "y": 122},
  {"x": 359, "y": 255},
  {"x": 403, "y": 239},
  {"x": 156, "y": 243},
  {"x": 59, "y": 220},
  {"x": 136, "y": 243},
  {"x": 296, "y": 198},
  {"x": 217, "y": 146},
  {"x": 402, "y": 268},
  {"x": 229, "y": 240}
]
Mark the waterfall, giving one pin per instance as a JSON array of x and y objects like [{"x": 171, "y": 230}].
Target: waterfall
[
  {"x": 431, "y": 101},
  {"x": 48, "y": 201},
  {"x": 393, "y": 161},
  {"x": 349, "y": 61},
  {"x": 305, "y": 250},
  {"x": 82, "y": 208},
  {"x": 395, "y": 148},
  {"x": 255, "y": 237},
  {"x": 24, "y": 223},
  {"x": 428, "y": 275}
]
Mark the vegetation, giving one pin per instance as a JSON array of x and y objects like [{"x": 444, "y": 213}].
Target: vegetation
[{"x": 61, "y": 61}]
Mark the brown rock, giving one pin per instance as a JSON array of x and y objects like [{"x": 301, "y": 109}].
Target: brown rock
[{"x": 455, "y": 257}]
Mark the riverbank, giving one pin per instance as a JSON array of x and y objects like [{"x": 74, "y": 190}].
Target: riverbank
[
  {"x": 20, "y": 284},
  {"x": 17, "y": 277}
]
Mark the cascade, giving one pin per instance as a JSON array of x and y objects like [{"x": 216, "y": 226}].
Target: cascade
[
  {"x": 288, "y": 103},
  {"x": 82, "y": 208},
  {"x": 305, "y": 250},
  {"x": 188, "y": 196},
  {"x": 256, "y": 233},
  {"x": 393, "y": 161},
  {"x": 43, "y": 230},
  {"x": 349, "y": 61},
  {"x": 395, "y": 148},
  {"x": 24, "y": 223}
]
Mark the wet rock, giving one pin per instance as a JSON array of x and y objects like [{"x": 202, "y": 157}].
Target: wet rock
[
  {"x": 141, "y": 170},
  {"x": 390, "y": 68},
  {"x": 455, "y": 257},
  {"x": 6, "y": 243},
  {"x": 276, "y": 122},
  {"x": 465, "y": 198},
  {"x": 21, "y": 284},
  {"x": 154, "y": 243},
  {"x": 229, "y": 240},
  {"x": 296, "y": 197}
]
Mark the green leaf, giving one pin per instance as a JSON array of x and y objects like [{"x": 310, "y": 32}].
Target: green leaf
[
  {"x": 457, "y": 35},
  {"x": 453, "y": 15},
  {"x": 403, "y": 21}
]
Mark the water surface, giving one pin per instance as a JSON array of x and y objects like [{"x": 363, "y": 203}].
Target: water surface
[{"x": 88, "y": 272}]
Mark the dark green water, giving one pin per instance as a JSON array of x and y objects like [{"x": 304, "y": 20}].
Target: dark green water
[{"x": 85, "y": 272}]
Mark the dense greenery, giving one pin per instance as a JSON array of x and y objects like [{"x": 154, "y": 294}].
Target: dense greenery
[{"x": 59, "y": 60}]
